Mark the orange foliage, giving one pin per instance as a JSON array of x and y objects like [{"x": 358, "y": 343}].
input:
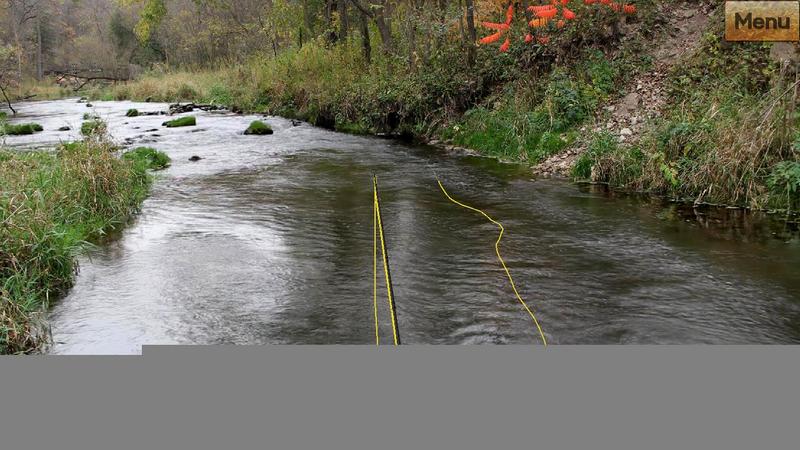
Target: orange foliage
[{"x": 543, "y": 15}]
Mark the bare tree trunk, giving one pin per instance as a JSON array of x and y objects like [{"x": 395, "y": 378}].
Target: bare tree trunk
[
  {"x": 380, "y": 17},
  {"x": 365, "y": 43},
  {"x": 385, "y": 30},
  {"x": 19, "y": 52},
  {"x": 442, "y": 10},
  {"x": 344, "y": 22},
  {"x": 39, "y": 68},
  {"x": 308, "y": 17},
  {"x": 471, "y": 32}
]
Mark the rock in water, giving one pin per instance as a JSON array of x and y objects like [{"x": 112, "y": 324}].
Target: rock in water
[
  {"x": 258, "y": 127},
  {"x": 195, "y": 158},
  {"x": 188, "y": 121}
]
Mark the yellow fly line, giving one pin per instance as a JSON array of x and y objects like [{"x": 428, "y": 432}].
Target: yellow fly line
[
  {"x": 375, "y": 265},
  {"x": 502, "y": 262},
  {"x": 378, "y": 232}
]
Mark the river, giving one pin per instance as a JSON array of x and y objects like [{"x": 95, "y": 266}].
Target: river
[{"x": 268, "y": 240}]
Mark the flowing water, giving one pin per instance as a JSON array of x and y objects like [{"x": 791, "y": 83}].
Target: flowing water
[{"x": 269, "y": 240}]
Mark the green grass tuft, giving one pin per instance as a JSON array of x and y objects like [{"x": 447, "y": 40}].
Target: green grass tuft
[
  {"x": 601, "y": 144},
  {"x": 20, "y": 129},
  {"x": 784, "y": 183},
  {"x": 150, "y": 158},
  {"x": 93, "y": 127}
]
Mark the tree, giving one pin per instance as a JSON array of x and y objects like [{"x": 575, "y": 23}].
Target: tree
[
  {"x": 472, "y": 34},
  {"x": 379, "y": 13},
  {"x": 21, "y": 13},
  {"x": 7, "y": 73}
]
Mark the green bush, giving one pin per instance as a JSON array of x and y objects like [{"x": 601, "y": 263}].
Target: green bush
[
  {"x": 258, "y": 127},
  {"x": 220, "y": 94},
  {"x": 3, "y": 115},
  {"x": 784, "y": 183},
  {"x": 93, "y": 127},
  {"x": 602, "y": 144},
  {"x": 150, "y": 158},
  {"x": 132, "y": 113},
  {"x": 188, "y": 121}
]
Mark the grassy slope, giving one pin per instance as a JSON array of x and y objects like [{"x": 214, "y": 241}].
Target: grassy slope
[
  {"x": 729, "y": 134},
  {"x": 51, "y": 204}
]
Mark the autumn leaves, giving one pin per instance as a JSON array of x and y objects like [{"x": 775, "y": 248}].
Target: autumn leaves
[{"x": 544, "y": 19}]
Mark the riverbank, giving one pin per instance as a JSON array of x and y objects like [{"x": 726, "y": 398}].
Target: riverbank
[
  {"x": 653, "y": 103},
  {"x": 52, "y": 204}
]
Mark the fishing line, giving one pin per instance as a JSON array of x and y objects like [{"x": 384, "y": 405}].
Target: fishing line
[{"x": 499, "y": 256}]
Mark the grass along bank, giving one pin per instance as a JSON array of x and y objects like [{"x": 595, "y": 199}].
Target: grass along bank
[
  {"x": 534, "y": 101},
  {"x": 406, "y": 92},
  {"x": 729, "y": 133},
  {"x": 52, "y": 204}
]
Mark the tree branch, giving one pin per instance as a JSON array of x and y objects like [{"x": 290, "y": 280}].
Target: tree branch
[
  {"x": 361, "y": 8},
  {"x": 3, "y": 91}
]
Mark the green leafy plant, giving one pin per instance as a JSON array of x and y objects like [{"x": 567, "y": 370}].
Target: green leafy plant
[
  {"x": 601, "y": 144},
  {"x": 93, "y": 127},
  {"x": 784, "y": 182}
]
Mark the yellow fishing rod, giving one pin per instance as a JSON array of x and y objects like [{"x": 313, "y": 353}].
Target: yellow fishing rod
[{"x": 377, "y": 231}]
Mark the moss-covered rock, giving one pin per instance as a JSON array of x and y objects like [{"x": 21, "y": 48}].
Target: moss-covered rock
[
  {"x": 20, "y": 129},
  {"x": 188, "y": 121},
  {"x": 150, "y": 157},
  {"x": 258, "y": 127},
  {"x": 132, "y": 113},
  {"x": 3, "y": 114}
]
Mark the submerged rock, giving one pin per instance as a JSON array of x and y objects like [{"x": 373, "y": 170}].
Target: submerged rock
[
  {"x": 64, "y": 128},
  {"x": 178, "y": 108},
  {"x": 195, "y": 158}
]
